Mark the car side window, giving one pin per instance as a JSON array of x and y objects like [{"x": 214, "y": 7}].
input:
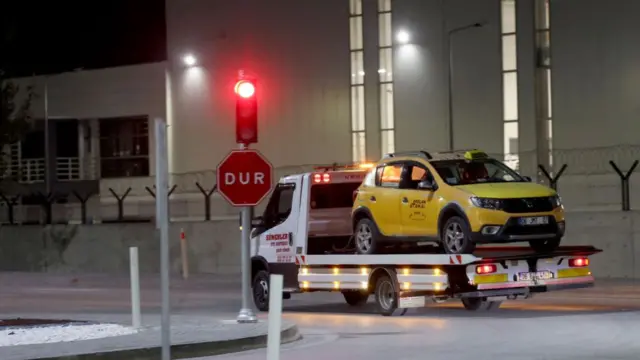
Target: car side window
[
  {"x": 414, "y": 175},
  {"x": 391, "y": 175}
]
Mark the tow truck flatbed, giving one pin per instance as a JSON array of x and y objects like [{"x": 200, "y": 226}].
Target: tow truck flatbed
[{"x": 306, "y": 213}]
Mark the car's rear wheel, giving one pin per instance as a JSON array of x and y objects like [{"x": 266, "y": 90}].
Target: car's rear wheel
[
  {"x": 456, "y": 236},
  {"x": 544, "y": 246},
  {"x": 367, "y": 237}
]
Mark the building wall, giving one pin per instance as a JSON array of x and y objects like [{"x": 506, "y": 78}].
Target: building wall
[
  {"x": 299, "y": 52},
  {"x": 420, "y": 75},
  {"x": 596, "y": 77},
  {"x": 106, "y": 93}
]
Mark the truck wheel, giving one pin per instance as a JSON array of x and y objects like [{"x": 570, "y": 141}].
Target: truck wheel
[
  {"x": 456, "y": 237},
  {"x": 544, "y": 246},
  {"x": 366, "y": 237},
  {"x": 261, "y": 290},
  {"x": 355, "y": 298},
  {"x": 480, "y": 304},
  {"x": 386, "y": 296}
]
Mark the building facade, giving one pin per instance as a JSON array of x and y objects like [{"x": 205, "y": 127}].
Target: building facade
[{"x": 530, "y": 81}]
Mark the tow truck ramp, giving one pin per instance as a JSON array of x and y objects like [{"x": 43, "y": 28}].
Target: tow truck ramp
[{"x": 482, "y": 280}]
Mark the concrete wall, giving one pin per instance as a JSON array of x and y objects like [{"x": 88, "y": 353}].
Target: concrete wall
[
  {"x": 299, "y": 51},
  {"x": 596, "y": 78},
  {"x": 420, "y": 75},
  {"x": 214, "y": 246}
]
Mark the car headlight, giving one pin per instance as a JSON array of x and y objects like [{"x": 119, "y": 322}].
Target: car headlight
[
  {"x": 556, "y": 201},
  {"x": 487, "y": 203}
]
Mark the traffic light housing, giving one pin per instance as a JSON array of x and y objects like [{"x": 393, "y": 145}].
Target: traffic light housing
[{"x": 246, "y": 112}]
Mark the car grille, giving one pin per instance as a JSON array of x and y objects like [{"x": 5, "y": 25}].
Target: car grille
[{"x": 528, "y": 205}]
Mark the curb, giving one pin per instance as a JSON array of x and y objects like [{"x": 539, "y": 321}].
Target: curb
[{"x": 185, "y": 351}]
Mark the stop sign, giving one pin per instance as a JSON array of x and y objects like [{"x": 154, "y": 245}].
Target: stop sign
[{"x": 244, "y": 177}]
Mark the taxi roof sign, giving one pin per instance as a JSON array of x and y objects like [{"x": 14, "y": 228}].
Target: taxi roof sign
[{"x": 475, "y": 155}]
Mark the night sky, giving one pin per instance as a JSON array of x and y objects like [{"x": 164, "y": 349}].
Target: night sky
[{"x": 62, "y": 35}]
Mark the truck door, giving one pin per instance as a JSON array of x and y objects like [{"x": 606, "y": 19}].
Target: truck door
[{"x": 274, "y": 235}]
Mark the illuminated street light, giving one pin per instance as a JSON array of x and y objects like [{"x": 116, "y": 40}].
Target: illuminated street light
[
  {"x": 189, "y": 60},
  {"x": 403, "y": 37}
]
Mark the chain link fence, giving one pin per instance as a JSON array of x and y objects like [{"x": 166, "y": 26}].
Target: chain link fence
[{"x": 593, "y": 179}]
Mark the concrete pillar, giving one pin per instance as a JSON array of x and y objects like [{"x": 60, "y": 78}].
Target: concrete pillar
[
  {"x": 371, "y": 87},
  {"x": 526, "y": 65}
]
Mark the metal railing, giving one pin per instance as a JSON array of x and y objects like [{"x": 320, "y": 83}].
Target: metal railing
[{"x": 28, "y": 171}]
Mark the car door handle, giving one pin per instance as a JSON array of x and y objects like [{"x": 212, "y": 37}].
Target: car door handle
[
  {"x": 405, "y": 200},
  {"x": 372, "y": 198}
]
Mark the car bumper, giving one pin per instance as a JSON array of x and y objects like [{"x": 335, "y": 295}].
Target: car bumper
[{"x": 511, "y": 231}]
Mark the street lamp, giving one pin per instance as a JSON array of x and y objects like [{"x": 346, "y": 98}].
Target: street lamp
[
  {"x": 403, "y": 37},
  {"x": 450, "y": 33},
  {"x": 189, "y": 60}
]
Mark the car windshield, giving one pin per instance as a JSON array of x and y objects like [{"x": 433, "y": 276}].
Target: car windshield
[{"x": 462, "y": 172}]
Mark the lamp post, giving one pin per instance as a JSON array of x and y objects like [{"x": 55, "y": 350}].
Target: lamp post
[{"x": 450, "y": 33}]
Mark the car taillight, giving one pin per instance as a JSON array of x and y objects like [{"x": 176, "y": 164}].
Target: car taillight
[
  {"x": 486, "y": 269},
  {"x": 321, "y": 178},
  {"x": 578, "y": 262}
]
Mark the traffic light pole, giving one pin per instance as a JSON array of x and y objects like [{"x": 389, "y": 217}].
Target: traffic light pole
[{"x": 246, "y": 314}]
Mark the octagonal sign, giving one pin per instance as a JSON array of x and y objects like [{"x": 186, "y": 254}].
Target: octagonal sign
[{"x": 244, "y": 177}]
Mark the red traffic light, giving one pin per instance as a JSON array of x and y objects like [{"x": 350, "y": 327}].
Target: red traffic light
[{"x": 245, "y": 89}]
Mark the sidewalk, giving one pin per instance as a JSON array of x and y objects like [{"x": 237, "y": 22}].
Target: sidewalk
[{"x": 191, "y": 337}]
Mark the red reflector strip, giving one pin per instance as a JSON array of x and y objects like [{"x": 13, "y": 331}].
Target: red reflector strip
[
  {"x": 486, "y": 269},
  {"x": 579, "y": 262}
]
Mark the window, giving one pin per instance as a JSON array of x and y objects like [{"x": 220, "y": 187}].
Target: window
[
  {"x": 124, "y": 147},
  {"x": 391, "y": 175},
  {"x": 510, "y": 88},
  {"x": 508, "y": 16},
  {"x": 385, "y": 74},
  {"x": 357, "y": 74},
  {"x": 460, "y": 172},
  {"x": 331, "y": 196},
  {"x": 386, "y": 65},
  {"x": 279, "y": 207},
  {"x": 416, "y": 174},
  {"x": 509, "y": 55},
  {"x": 385, "y": 29}
]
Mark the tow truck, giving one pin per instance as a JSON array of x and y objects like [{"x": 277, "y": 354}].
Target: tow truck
[{"x": 306, "y": 235}]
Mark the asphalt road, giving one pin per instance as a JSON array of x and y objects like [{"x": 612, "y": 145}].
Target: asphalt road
[{"x": 600, "y": 323}]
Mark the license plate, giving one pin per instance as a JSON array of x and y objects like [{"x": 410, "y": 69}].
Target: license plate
[
  {"x": 536, "y": 220},
  {"x": 535, "y": 276}
]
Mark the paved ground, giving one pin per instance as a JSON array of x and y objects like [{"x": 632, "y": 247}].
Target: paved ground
[{"x": 600, "y": 323}]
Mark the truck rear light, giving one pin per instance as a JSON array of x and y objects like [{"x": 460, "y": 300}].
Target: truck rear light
[
  {"x": 321, "y": 178},
  {"x": 579, "y": 262},
  {"x": 486, "y": 269}
]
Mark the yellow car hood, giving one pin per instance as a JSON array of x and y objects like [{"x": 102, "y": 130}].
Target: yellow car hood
[{"x": 508, "y": 190}]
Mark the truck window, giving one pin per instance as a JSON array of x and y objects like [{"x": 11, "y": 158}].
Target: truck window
[
  {"x": 331, "y": 196},
  {"x": 279, "y": 206}
]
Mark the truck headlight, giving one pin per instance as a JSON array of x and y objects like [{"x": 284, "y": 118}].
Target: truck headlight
[
  {"x": 487, "y": 203},
  {"x": 556, "y": 201}
]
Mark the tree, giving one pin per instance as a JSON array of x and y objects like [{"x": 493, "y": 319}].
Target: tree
[{"x": 15, "y": 105}]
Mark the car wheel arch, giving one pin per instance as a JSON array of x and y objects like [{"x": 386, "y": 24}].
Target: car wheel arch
[
  {"x": 360, "y": 213},
  {"x": 451, "y": 209}
]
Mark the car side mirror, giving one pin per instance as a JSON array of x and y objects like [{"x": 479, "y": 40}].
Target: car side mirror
[
  {"x": 527, "y": 178},
  {"x": 257, "y": 221},
  {"x": 426, "y": 185}
]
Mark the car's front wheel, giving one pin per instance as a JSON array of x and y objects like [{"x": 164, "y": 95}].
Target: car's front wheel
[
  {"x": 456, "y": 237},
  {"x": 545, "y": 246}
]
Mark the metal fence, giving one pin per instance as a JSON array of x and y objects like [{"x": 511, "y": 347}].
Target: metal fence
[{"x": 596, "y": 179}]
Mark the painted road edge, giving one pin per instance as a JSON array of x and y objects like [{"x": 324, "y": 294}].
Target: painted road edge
[{"x": 185, "y": 351}]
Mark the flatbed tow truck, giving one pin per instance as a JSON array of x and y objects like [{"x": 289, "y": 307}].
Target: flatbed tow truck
[{"x": 305, "y": 235}]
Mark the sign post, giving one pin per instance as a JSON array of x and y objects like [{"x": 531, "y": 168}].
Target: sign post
[{"x": 244, "y": 179}]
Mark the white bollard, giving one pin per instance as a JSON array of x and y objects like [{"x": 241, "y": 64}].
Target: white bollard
[
  {"x": 275, "y": 317},
  {"x": 135, "y": 287}
]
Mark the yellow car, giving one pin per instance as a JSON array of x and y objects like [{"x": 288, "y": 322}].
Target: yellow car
[{"x": 457, "y": 199}]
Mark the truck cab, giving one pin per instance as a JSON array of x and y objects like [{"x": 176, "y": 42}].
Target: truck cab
[{"x": 307, "y": 213}]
